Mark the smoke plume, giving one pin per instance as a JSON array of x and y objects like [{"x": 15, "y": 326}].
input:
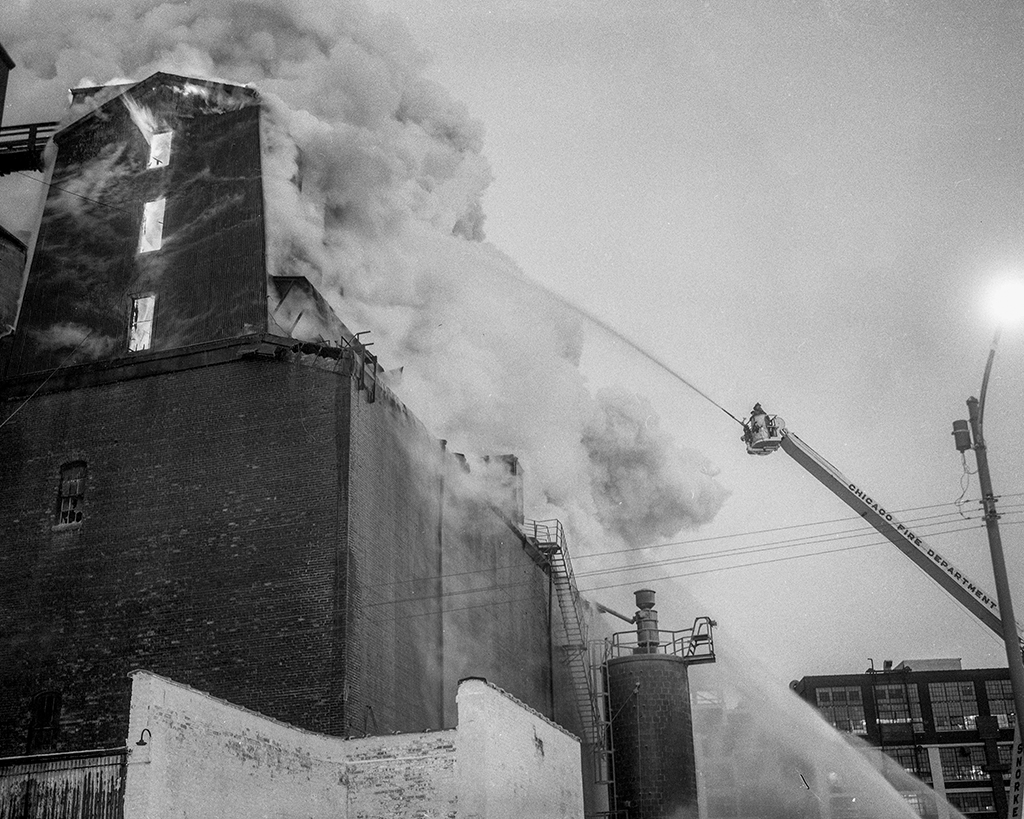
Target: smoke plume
[{"x": 373, "y": 180}]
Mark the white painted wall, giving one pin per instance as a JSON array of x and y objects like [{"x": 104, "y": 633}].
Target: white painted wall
[
  {"x": 208, "y": 758},
  {"x": 511, "y": 767}
]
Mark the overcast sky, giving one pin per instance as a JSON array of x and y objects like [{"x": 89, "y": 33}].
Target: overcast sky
[{"x": 797, "y": 203}]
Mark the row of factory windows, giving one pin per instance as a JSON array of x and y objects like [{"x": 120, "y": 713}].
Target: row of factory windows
[
  {"x": 954, "y": 705},
  {"x": 960, "y": 763},
  {"x": 734, "y": 802},
  {"x": 969, "y": 803}
]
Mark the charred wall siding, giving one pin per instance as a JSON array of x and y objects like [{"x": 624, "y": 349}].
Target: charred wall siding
[
  {"x": 258, "y": 530},
  {"x": 210, "y": 274}
]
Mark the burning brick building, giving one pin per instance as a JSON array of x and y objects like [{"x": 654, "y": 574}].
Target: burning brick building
[{"x": 204, "y": 474}]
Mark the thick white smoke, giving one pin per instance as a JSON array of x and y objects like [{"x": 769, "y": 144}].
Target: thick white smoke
[{"x": 374, "y": 178}]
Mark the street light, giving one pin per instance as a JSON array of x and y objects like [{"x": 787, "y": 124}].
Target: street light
[{"x": 1008, "y": 302}]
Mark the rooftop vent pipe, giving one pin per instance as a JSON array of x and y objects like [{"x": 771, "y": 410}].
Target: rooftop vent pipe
[{"x": 646, "y": 622}]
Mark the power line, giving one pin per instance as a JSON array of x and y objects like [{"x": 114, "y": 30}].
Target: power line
[
  {"x": 48, "y": 377},
  {"x": 785, "y": 544},
  {"x": 808, "y": 540},
  {"x": 623, "y": 569},
  {"x": 72, "y": 193},
  {"x": 771, "y": 530}
]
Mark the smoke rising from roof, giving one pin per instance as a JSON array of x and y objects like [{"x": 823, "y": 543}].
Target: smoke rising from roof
[{"x": 373, "y": 179}]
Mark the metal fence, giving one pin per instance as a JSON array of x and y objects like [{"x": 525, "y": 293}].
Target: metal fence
[{"x": 73, "y": 785}]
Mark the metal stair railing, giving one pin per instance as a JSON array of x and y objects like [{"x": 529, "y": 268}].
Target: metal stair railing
[
  {"x": 591, "y": 697},
  {"x": 549, "y": 538}
]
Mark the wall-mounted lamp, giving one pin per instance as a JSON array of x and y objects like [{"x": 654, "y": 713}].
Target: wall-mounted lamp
[{"x": 142, "y": 737}]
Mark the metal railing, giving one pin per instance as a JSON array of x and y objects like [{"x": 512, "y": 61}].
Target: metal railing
[
  {"x": 21, "y": 146},
  {"x": 695, "y": 645}
]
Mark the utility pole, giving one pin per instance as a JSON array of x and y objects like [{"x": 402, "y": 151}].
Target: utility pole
[{"x": 1011, "y": 640}]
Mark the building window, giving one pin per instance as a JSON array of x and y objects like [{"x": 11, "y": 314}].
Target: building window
[
  {"x": 140, "y": 328},
  {"x": 1005, "y": 753},
  {"x": 964, "y": 763},
  {"x": 913, "y": 759},
  {"x": 152, "y": 231},
  {"x": 843, "y": 707},
  {"x": 43, "y": 721},
  {"x": 1000, "y": 701},
  {"x": 71, "y": 500},
  {"x": 917, "y": 803},
  {"x": 160, "y": 150},
  {"x": 898, "y": 704},
  {"x": 972, "y": 801},
  {"x": 954, "y": 706}
]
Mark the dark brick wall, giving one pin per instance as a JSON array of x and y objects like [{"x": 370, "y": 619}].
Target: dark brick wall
[
  {"x": 261, "y": 531},
  {"x": 496, "y": 606},
  {"x": 207, "y": 552},
  {"x": 440, "y": 587},
  {"x": 652, "y": 730}
]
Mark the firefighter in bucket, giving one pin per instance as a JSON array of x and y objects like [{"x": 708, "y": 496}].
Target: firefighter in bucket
[{"x": 762, "y": 433}]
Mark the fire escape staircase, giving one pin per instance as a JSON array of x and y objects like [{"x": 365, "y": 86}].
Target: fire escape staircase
[{"x": 591, "y": 698}]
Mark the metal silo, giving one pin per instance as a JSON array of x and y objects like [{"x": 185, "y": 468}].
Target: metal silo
[{"x": 649, "y": 714}]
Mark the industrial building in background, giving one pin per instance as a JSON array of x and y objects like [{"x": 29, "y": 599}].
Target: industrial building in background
[
  {"x": 952, "y": 728},
  {"x": 208, "y": 481}
]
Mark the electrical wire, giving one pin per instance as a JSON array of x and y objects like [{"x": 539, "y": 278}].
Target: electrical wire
[
  {"x": 48, "y": 377},
  {"x": 659, "y": 564},
  {"x": 745, "y": 551},
  {"x": 761, "y": 531},
  {"x": 72, "y": 193},
  {"x": 808, "y": 540}
]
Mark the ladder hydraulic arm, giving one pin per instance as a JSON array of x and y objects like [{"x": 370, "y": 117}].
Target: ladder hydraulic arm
[{"x": 765, "y": 433}]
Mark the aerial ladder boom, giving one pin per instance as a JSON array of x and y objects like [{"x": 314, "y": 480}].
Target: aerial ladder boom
[{"x": 765, "y": 433}]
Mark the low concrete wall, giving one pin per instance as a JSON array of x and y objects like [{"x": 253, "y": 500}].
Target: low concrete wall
[
  {"x": 204, "y": 757},
  {"x": 513, "y": 762}
]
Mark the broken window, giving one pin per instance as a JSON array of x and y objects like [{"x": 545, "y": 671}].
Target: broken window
[
  {"x": 160, "y": 149},
  {"x": 151, "y": 234},
  {"x": 70, "y": 504},
  {"x": 44, "y": 721},
  {"x": 140, "y": 328}
]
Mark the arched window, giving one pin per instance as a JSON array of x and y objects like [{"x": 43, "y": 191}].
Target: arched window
[{"x": 44, "y": 721}]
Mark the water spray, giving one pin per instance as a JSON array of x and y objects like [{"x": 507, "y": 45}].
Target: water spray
[{"x": 637, "y": 347}]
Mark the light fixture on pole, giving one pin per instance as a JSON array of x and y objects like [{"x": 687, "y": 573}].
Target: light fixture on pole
[{"x": 970, "y": 435}]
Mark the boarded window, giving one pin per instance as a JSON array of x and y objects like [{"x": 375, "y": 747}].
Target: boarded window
[
  {"x": 140, "y": 327},
  {"x": 71, "y": 501},
  {"x": 44, "y": 721},
  {"x": 160, "y": 150},
  {"x": 151, "y": 235}
]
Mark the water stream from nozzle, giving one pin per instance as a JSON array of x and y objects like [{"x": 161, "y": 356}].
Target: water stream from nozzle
[{"x": 604, "y": 325}]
